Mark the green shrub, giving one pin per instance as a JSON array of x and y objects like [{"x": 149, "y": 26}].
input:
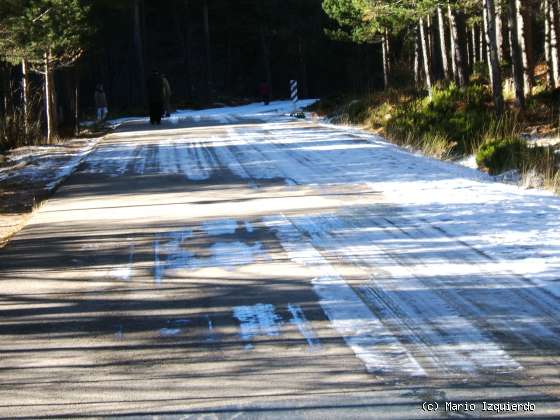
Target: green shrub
[
  {"x": 354, "y": 112},
  {"x": 460, "y": 115},
  {"x": 501, "y": 155}
]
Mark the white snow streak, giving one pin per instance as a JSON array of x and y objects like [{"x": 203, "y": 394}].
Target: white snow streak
[
  {"x": 259, "y": 319},
  {"x": 303, "y": 325},
  {"x": 220, "y": 227},
  {"x": 124, "y": 272},
  {"x": 169, "y": 332},
  {"x": 158, "y": 269}
]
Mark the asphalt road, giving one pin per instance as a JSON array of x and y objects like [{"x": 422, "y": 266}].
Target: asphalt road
[{"x": 243, "y": 269}]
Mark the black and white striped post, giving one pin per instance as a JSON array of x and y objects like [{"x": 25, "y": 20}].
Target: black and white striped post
[{"x": 294, "y": 93}]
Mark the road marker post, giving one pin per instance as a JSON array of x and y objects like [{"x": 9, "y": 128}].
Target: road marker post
[
  {"x": 294, "y": 96},
  {"x": 294, "y": 93}
]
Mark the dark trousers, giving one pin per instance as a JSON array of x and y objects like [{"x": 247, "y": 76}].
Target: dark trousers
[{"x": 156, "y": 111}]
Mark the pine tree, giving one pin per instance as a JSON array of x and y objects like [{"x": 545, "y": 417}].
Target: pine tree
[
  {"x": 493, "y": 61},
  {"x": 46, "y": 35},
  {"x": 515, "y": 52},
  {"x": 370, "y": 21}
]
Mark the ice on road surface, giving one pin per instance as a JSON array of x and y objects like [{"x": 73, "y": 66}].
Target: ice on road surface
[{"x": 237, "y": 260}]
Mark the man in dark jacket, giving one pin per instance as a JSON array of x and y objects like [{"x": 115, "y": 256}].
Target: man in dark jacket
[
  {"x": 156, "y": 97},
  {"x": 264, "y": 92}
]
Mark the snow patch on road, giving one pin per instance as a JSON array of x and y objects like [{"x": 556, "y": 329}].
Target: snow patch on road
[
  {"x": 230, "y": 254},
  {"x": 255, "y": 110},
  {"x": 171, "y": 251},
  {"x": 124, "y": 272},
  {"x": 257, "y": 320},
  {"x": 169, "y": 332}
]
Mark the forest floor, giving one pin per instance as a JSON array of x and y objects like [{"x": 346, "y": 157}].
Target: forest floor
[{"x": 242, "y": 263}]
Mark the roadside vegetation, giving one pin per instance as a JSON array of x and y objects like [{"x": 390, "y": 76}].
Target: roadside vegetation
[
  {"x": 462, "y": 81},
  {"x": 457, "y": 123}
]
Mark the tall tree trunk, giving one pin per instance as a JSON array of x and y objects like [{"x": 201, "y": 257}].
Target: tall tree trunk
[
  {"x": 188, "y": 52},
  {"x": 385, "y": 53},
  {"x": 425, "y": 55},
  {"x": 499, "y": 30},
  {"x": 139, "y": 50},
  {"x": 457, "y": 20},
  {"x": 483, "y": 49},
  {"x": 4, "y": 89},
  {"x": 524, "y": 47},
  {"x": 470, "y": 50},
  {"x": 302, "y": 67},
  {"x": 50, "y": 105},
  {"x": 76, "y": 101},
  {"x": 206, "y": 25},
  {"x": 554, "y": 41},
  {"x": 435, "y": 56},
  {"x": 26, "y": 95},
  {"x": 266, "y": 56},
  {"x": 389, "y": 51},
  {"x": 493, "y": 60},
  {"x": 443, "y": 44},
  {"x": 515, "y": 52},
  {"x": 417, "y": 59},
  {"x": 452, "y": 42},
  {"x": 547, "y": 50},
  {"x": 476, "y": 42},
  {"x": 430, "y": 44},
  {"x": 147, "y": 39}
]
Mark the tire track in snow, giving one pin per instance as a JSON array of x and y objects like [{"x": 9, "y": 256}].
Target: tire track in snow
[
  {"x": 227, "y": 158},
  {"x": 363, "y": 332},
  {"x": 111, "y": 159},
  {"x": 536, "y": 296},
  {"x": 491, "y": 300},
  {"x": 432, "y": 326},
  {"x": 150, "y": 165},
  {"x": 283, "y": 166},
  {"x": 167, "y": 158},
  {"x": 197, "y": 167},
  {"x": 255, "y": 162}
]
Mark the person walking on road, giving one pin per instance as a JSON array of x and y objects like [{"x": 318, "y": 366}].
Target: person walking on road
[
  {"x": 166, "y": 96},
  {"x": 100, "y": 100},
  {"x": 156, "y": 97},
  {"x": 264, "y": 92}
]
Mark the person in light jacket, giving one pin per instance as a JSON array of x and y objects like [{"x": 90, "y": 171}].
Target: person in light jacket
[
  {"x": 166, "y": 96},
  {"x": 100, "y": 100}
]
